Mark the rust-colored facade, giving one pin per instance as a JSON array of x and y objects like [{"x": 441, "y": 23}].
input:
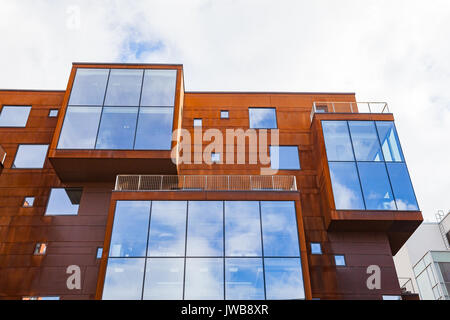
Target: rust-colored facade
[{"x": 364, "y": 237}]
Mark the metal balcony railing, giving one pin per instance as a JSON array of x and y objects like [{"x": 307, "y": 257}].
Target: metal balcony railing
[
  {"x": 205, "y": 183},
  {"x": 349, "y": 107}
]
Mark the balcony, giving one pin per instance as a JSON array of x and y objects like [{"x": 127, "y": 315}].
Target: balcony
[
  {"x": 205, "y": 183},
  {"x": 349, "y": 107}
]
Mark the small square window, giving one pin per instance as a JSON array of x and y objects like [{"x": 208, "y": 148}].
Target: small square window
[
  {"x": 40, "y": 249},
  {"x": 339, "y": 260},
  {"x": 53, "y": 113},
  {"x": 197, "y": 122},
  {"x": 316, "y": 248},
  {"x": 99, "y": 253},
  {"x": 28, "y": 202},
  {"x": 284, "y": 158},
  {"x": 224, "y": 114},
  {"x": 262, "y": 118},
  {"x": 30, "y": 156},
  {"x": 215, "y": 157},
  {"x": 390, "y": 297}
]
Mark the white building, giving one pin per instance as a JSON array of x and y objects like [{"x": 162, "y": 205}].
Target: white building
[{"x": 423, "y": 263}]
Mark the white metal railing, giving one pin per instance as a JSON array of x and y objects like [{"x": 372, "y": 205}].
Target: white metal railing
[
  {"x": 407, "y": 285},
  {"x": 205, "y": 183},
  {"x": 349, "y": 107}
]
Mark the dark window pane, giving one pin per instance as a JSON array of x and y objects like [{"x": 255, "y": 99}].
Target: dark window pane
[
  {"x": 205, "y": 228},
  {"x": 375, "y": 185},
  {"x": 402, "y": 187},
  {"x": 117, "y": 128},
  {"x": 244, "y": 279},
  {"x": 164, "y": 279},
  {"x": 284, "y": 279},
  {"x": 89, "y": 87},
  {"x": 279, "y": 226},
  {"x": 80, "y": 126},
  {"x": 242, "y": 228},
  {"x": 167, "y": 228},
  {"x": 130, "y": 229},
  {"x": 159, "y": 88},
  {"x": 124, "y": 278},
  {"x": 204, "y": 279},
  {"x": 365, "y": 141},
  {"x": 263, "y": 118},
  {"x": 30, "y": 156},
  {"x": 154, "y": 131},
  {"x": 337, "y": 141},
  {"x": 124, "y": 87},
  {"x": 14, "y": 116},
  {"x": 63, "y": 201},
  {"x": 346, "y": 187},
  {"x": 389, "y": 141},
  {"x": 284, "y": 158}
]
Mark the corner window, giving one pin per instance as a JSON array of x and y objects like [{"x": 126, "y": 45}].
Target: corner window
[
  {"x": 224, "y": 114},
  {"x": 316, "y": 248},
  {"x": 14, "y": 116},
  {"x": 262, "y": 118},
  {"x": 28, "y": 202},
  {"x": 30, "y": 156},
  {"x": 339, "y": 260},
  {"x": 197, "y": 123},
  {"x": 284, "y": 158},
  {"x": 53, "y": 113},
  {"x": 63, "y": 201}
]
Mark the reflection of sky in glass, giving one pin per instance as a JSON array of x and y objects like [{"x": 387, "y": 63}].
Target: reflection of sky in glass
[
  {"x": 244, "y": 279},
  {"x": 339, "y": 260},
  {"x": 279, "y": 226},
  {"x": 284, "y": 158},
  {"x": 402, "y": 187},
  {"x": 389, "y": 141},
  {"x": 167, "y": 228},
  {"x": 284, "y": 279},
  {"x": 263, "y": 118},
  {"x": 14, "y": 116},
  {"x": 89, "y": 87},
  {"x": 204, "y": 279},
  {"x": 337, "y": 141},
  {"x": 129, "y": 235},
  {"x": 375, "y": 185},
  {"x": 154, "y": 131},
  {"x": 365, "y": 141},
  {"x": 346, "y": 187},
  {"x": 80, "y": 128},
  {"x": 30, "y": 156},
  {"x": 124, "y": 87},
  {"x": 205, "y": 228},
  {"x": 159, "y": 88},
  {"x": 59, "y": 203},
  {"x": 242, "y": 228},
  {"x": 164, "y": 279},
  {"x": 117, "y": 128},
  {"x": 123, "y": 280}
]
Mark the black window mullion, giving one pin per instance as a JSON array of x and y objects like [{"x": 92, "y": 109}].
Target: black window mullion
[
  {"x": 146, "y": 250},
  {"x": 139, "y": 108},
  {"x": 185, "y": 249},
  {"x": 223, "y": 235},
  {"x": 262, "y": 250},
  {"x": 103, "y": 106}
]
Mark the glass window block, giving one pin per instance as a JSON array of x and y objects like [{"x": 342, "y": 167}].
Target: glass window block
[
  {"x": 284, "y": 279},
  {"x": 346, "y": 187},
  {"x": 376, "y": 187},
  {"x": 263, "y": 118},
  {"x": 30, "y": 156},
  {"x": 365, "y": 141},
  {"x": 159, "y": 88},
  {"x": 14, "y": 116},
  {"x": 402, "y": 187},
  {"x": 337, "y": 141},
  {"x": 389, "y": 141},
  {"x": 63, "y": 201},
  {"x": 204, "y": 279},
  {"x": 124, "y": 279},
  {"x": 117, "y": 128},
  {"x": 164, "y": 279},
  {"x": 244, "y": 279},
  {"x": 89, "y": 87},
  {"x": 284, "y": 158},
  {"x": 124, "y": 87},
  {"x": 154, "y": 131}
]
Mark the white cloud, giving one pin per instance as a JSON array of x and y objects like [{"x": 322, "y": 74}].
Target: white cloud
[{"x": 395, "y": 51}]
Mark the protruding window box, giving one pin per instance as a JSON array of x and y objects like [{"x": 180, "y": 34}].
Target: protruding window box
[{"x": 117, "y": 119}]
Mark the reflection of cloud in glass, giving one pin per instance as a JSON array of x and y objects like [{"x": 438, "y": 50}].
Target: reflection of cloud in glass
[
  {"x": 376, "y": 187},
  {"x": 124, "y": 87},
  {"x": 244, "y": 279},
  {"x": 284, "y": 279},
  {"x": 365, "y": 141},
  {"x": 167, "y": 228},
  {"x": 346, "y": 187},
  {"x": 204, "y": 279},
  {"x": 242, "y": 228},
  {"x": 263, "y": 118},
  {"x": 337, "y": 141},
  {"x": 30, "y": 156},
  {"x": 89, "y": 87},
  {"x": 123, "y": 280},
  {"x": 164, "y": 279},
  {"x": 159, "y": 88},
  {"x": 14, "y": 116}
]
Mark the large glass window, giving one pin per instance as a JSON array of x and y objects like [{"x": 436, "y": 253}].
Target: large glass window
[
  {"x": 117, "y": 128},
  {"x": 204, "y": 279},
  {"x": 129, "y": 235},
  {"x": 365, "y": 141},
  {"x": 263, "y": 118},
  {"x": 124, "y": 87},
  {"x": 63, "y": 201},
  {"x": 346, "y": 187},
  {"x": 89, "y": 87},
  {"x": 337, "y": 141},
  {"x": 111, "y": 109},
  {"x": 244, "y": 279},
  {"x": 284, "y": 279},
  {"x": 164, "y": 279},
  {"x": 159, "y": 88},
  {"x": 379, "y": 169},
  {"x": 284, "y": 158},
  {"x": 30, "y": 156},
  {"x": 124, "y": 279},
  {"x": 80, "y": 126},
  {"x": 14, "y": 116}
]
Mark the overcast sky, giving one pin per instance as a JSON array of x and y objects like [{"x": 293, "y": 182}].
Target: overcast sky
[{"x": 395, "y": 51}]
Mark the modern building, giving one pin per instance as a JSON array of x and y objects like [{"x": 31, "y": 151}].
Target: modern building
[
  {"x": 266, "y": 195},
  {"x": 423, "y": 263}
]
